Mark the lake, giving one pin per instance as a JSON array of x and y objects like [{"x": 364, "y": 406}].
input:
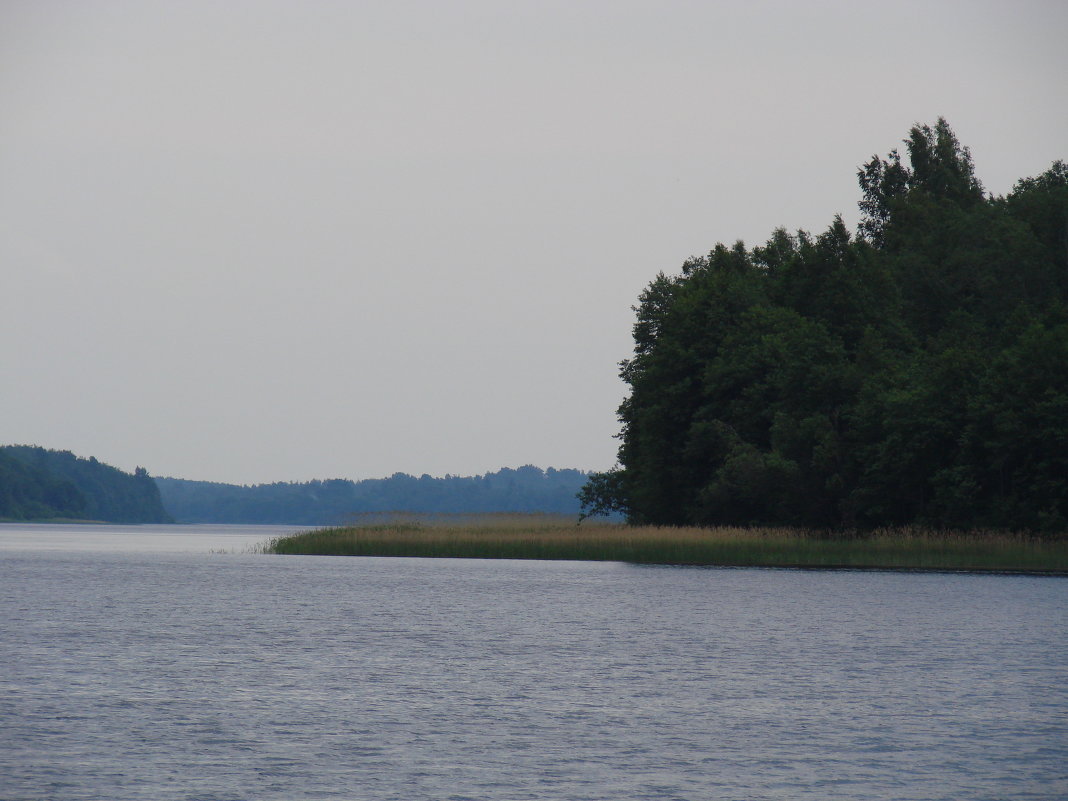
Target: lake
[{"x": 170, "y": 662}]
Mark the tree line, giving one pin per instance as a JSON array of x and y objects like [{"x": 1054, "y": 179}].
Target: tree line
[
  {"x": 41, "y": 484},
  {"x": 913, "y": 373},
  {"x": 525, "y": 489}
]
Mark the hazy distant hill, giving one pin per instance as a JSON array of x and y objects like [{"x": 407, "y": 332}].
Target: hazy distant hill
[
  {"x": 526, "y": 489},
  {"x": 38, "y": 484}
]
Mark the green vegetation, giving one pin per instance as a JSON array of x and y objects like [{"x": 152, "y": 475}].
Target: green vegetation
[
  {"x": 526, "y": 489},
  {"x": 40, "y": 484},
  {"x": 548, "y": 537},
  {"x": 913, "y": 375}
]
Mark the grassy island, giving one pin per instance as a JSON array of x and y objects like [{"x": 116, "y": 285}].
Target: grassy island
[{"x": 549, "y": 537}]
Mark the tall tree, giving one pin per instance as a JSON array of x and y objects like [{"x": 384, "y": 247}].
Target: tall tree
[{"x": 910, "y": 374}]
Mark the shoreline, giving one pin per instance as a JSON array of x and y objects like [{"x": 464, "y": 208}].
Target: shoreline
[
  {"x": 549, "y": 539},
  {"x": 987, "y": 571}
]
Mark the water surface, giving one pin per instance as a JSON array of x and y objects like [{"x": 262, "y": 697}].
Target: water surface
[{"x": 190, "y": 669}]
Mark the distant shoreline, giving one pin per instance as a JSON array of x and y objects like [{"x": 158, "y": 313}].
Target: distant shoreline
[
  {"x": 66, "y": 521},
  {"x": 531, "y": 537}
]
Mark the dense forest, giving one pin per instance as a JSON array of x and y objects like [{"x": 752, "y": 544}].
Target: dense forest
[
  {"x": 40, "y": 484},
  {"x": 913, "y": 373},
  {"x": 526, "y": 489}
]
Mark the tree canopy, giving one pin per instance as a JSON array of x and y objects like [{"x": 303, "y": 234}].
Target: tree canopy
[
  {"x": 916, "y": 372},
  {"x": 524, "y": 489},
  {"x": 36, "y": 484}
]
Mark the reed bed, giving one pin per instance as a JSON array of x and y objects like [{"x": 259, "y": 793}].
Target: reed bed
[{"x": 547, "y": 537}]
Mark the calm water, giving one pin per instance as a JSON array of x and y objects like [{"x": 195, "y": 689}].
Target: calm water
[{"x": 142, "y": 663}]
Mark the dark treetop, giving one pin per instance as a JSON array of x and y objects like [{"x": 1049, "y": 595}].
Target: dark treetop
[{"x": 915, "y": 373}]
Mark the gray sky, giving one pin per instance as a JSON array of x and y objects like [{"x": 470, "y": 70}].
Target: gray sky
[{"x": 259, "y": 240}]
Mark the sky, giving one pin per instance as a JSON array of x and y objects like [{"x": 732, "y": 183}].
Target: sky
[{"x": 278, "y": 240}]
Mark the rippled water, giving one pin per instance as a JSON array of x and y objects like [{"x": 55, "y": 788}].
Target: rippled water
[{"x": 157, "y": 669}]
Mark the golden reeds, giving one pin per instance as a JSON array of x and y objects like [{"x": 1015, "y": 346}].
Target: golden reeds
[{"x": 548, "y": 537}]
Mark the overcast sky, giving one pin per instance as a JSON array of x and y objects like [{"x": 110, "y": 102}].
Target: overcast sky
[{"x": 277, "y": 240}]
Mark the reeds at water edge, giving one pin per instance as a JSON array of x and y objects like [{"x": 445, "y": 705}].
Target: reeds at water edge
[{"x": 549, "y": 537}]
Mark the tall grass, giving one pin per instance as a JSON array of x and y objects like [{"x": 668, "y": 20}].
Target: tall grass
[{"x": 548, "y": 537}]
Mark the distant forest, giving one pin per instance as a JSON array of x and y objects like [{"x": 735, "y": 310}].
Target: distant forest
[
  {"x": 915, "y": 373},
  {"x": 40, "y": 484},
  {"x": 526, "y": 489}
]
